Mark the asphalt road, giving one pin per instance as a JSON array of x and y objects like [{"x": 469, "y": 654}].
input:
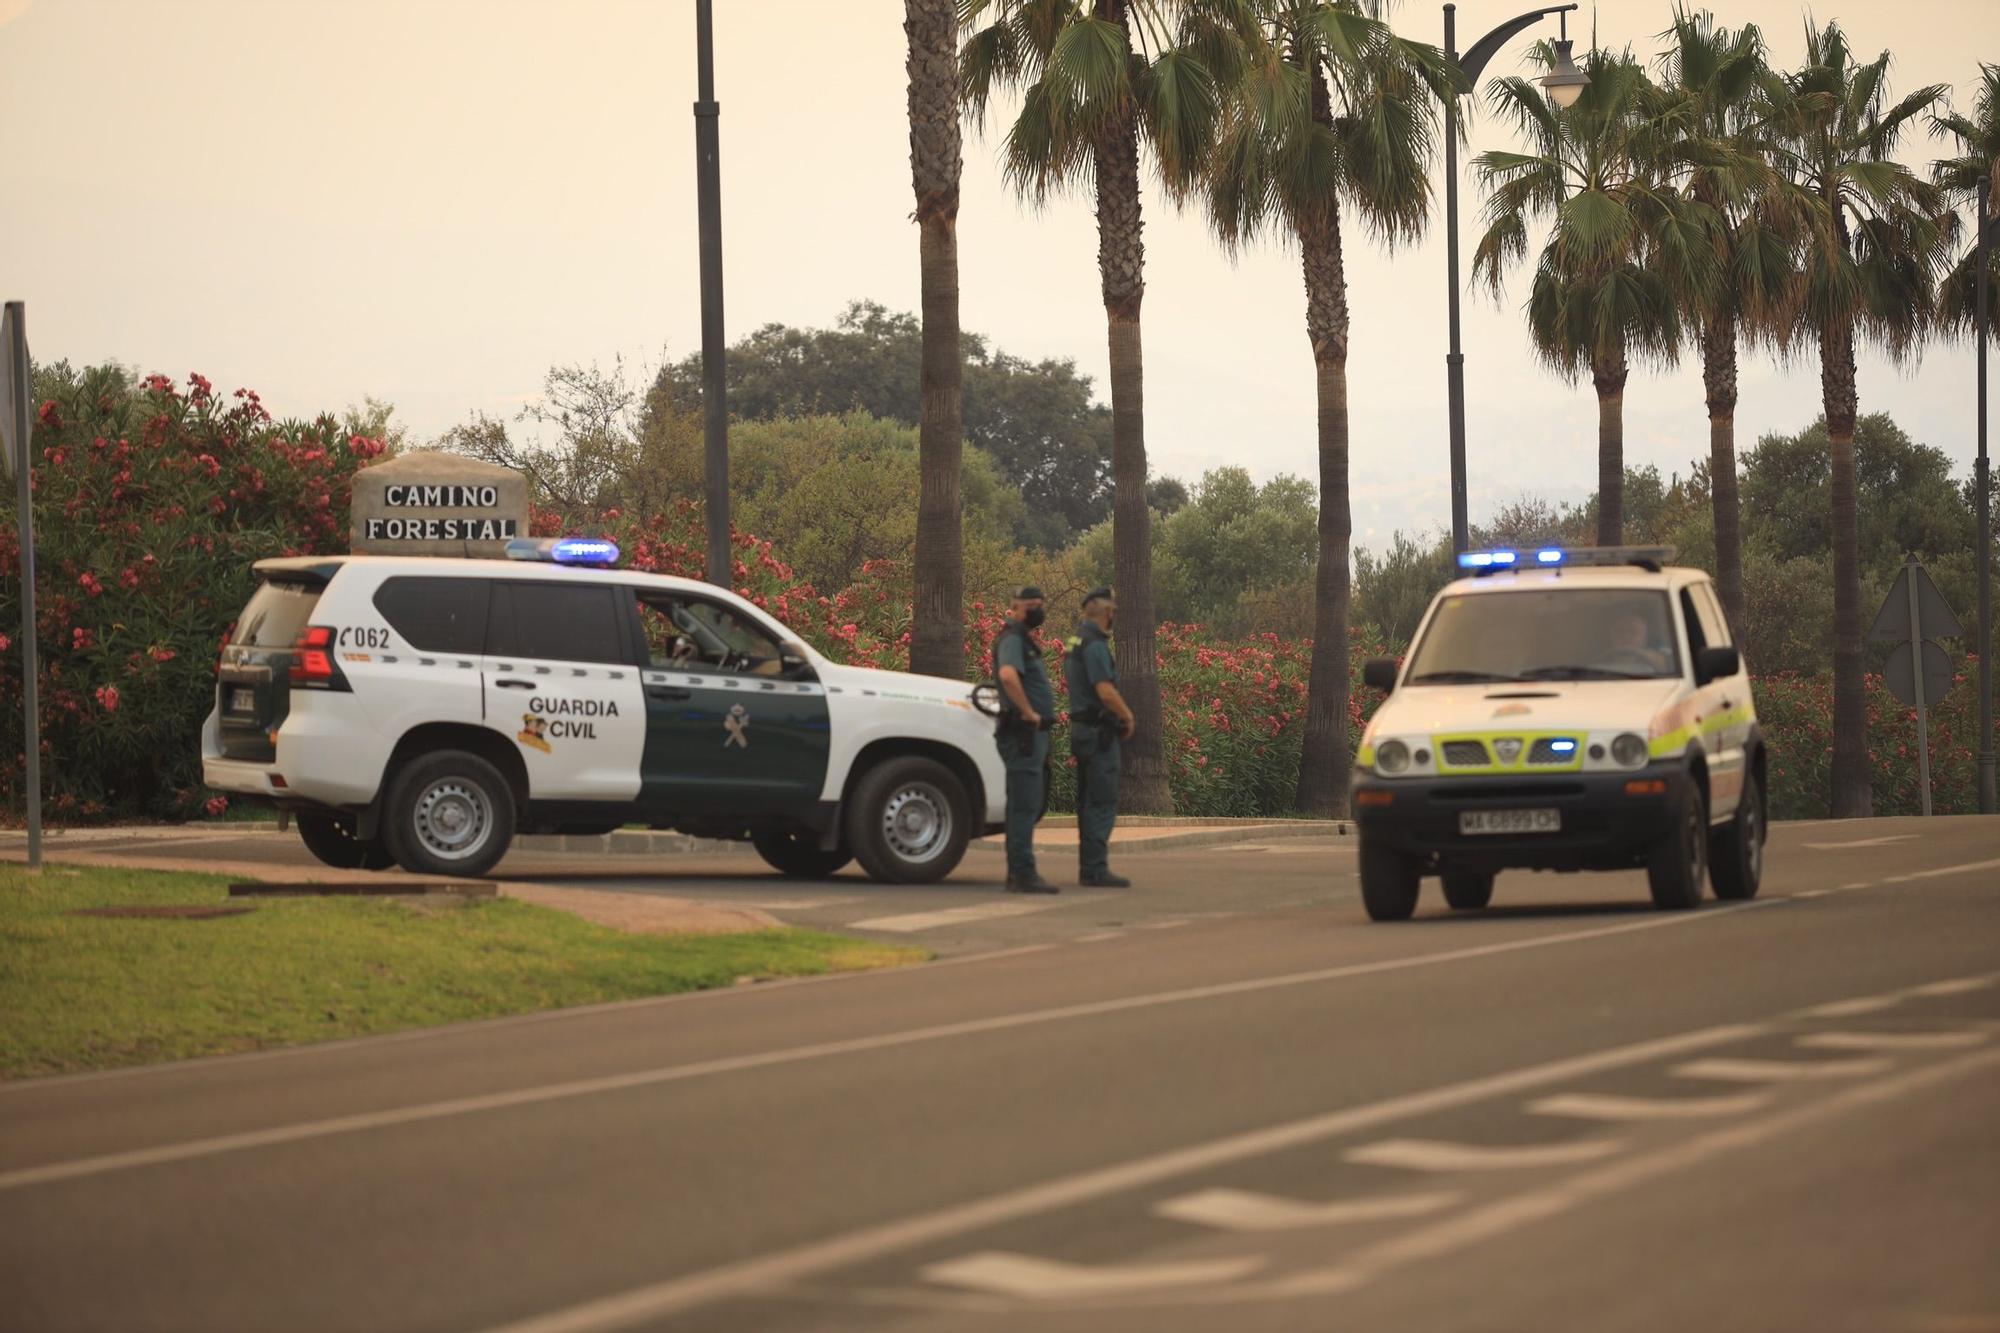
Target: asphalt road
[{"x": 1568, "y": 1112}]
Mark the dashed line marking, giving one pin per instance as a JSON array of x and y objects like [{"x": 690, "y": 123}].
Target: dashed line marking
[
  {"x": 1943, "y": 870},
  {"x": 1866, "y": 1004},
  {"x": 1891, "y": 1041},
  {"x": 1025, "y": 1276},
  {"x": 1815, "y": 893},
  {"x": 1247, "y": 1210},
  {"x": 1437, "y": 1155},
  {"x": 1595, "y": 1106},
  {"x": 1731, "y": 1070},
  {"x": 1165, "y": 925},
  {"x": 910, "y": 922},
  {"x": 1859, "y": 884},
  {"x": 1956, "y": 986},
  {"x": 1859, "y": 842},
  {"x": 1100, "y": 935}
]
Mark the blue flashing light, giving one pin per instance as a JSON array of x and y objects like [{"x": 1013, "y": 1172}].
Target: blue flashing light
[
  {"x": 1549, "y": 555},
  {"x": 1562, "y": 747},
  {"x": 584, "y": 551},
  {"x": 1486, "y": 559}
]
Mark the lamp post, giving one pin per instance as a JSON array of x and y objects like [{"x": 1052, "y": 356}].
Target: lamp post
[
  {"x": 1988, "y": 224},
  {"x": 714, "y": 389},
  {"x": 1565, "y": 83}
]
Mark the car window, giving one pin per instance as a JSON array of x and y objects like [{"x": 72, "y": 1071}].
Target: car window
[
  {"x": 692, "y": 633},
  {"x": 1546, "y": 634},
  {"x": 1714, "y": 623},
  {"x": 275, "y": 615},
  {"x": 560, "y": 622},
  {"x": 436, "y": 615},
  {"x": 1698, "y": 626}
]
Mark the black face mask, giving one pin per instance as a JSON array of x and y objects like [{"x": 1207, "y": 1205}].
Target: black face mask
[{"x": 1034, "y": 616}]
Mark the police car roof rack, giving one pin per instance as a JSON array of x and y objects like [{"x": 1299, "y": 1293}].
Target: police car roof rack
[{"x": 1505, "y": 560}]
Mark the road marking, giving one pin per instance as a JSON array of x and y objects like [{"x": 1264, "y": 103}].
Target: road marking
[
  {"x": 1815, "y": 893},
  {"x": 1865, "y": 1004},
  {"x": 1246, "y": 1210},
  {"x": 911, "y": 922},
  {"x": 1165, "y": 925},
  {"x": 426, "y": 1111},
  {"x": 650, "y": 1303},
  {"x": 1778, "y": 1071},
  {"x": 1435, "y": 1155},
  {"x": 1023, "y": 1275},
  {"x": 780, "y": 904},
  {"x": 1891, "y": 1041},
  {"x": 1956, "y": 986},
  {"x": 1859, "y": 842},
  {"x": 1858, "y": 884},
  {"x": 1508, "y": 1215},
  {"x": 1943, "y": 870},
  {"x": 1594, "y": 1106}
]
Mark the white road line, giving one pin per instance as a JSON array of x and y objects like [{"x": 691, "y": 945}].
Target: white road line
[
  {"x": 1778, "y": 1071},
  {"x": 656, "y": 1301},
  {"x": 1859, "y": 842},
  {"x": 1858, "y": 884},
  {"x": 425, "y": 1111},
  {"x": 1864, "y": 1004},
  {"x": 1246, "y": 1210},
  {"x": 1943, "y": 870},
  {"x": 781, "y": 904},
  {"x": 911, "y": 922},
  {"x": 1891, "y": 1041},
  {"x": 1100, "y": 935},
  {"x": 1165, "y": 925},
  {"x": 1956, "y": 986},
  {"x": 1022, "y": 1275},
  {"x": 1435, "y": 1155},
  {"x": 1814, "y": 893},
  {"x": 1595, "y": 1106}
]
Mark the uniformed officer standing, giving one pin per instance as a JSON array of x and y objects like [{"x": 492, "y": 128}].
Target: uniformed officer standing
[
  {"x": 1099, "y": 718},
  {"x": 1028, "y": 708}
]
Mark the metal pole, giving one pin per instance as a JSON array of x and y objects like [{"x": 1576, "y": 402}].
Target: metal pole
[
  {"x": 1454, "y": 360},
  {"x": 1982, "y": 486},
  {"x": 714, "y": 389},
  {"x": 1917, "y": 685},
  {"x": 17, "y": 320}
]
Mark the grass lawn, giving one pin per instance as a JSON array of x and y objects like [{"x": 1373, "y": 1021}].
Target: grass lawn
[{"x": 95, "y": 992}]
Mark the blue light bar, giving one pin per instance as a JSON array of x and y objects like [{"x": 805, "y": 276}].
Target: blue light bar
[
  {"x": 1562, "y": 747},
  {"x": 1549, "y": 555},
  {"x": 1486, "y": 559},
  {"x": 590, "y": 551}
]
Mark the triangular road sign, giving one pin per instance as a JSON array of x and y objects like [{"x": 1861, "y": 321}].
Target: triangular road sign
[{"x": 1934, "y": 617}]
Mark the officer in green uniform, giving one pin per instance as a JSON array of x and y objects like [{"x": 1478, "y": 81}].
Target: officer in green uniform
[
  {"x": 1098, "y": 719},
  {"x": 1028, "y": 705}
]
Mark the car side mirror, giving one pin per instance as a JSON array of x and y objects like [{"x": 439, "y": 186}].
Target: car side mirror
[
  {"x": 1379, "y": 673},
  {"x": 1711, "y": 664},
  {"x": 793, "y": 662}
]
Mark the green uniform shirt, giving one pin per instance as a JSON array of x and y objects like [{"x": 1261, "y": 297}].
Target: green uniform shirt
[
  {"x": 1017, "y": 648},
  {"x": 1088, "y": 664}
]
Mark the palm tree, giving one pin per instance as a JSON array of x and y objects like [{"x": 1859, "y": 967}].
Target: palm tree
[
  {"x": 1978, "y": 137},
  {"x": 1600, "y": 290},
  {"x": 1099, "y": 80},
  {"x": 1871, "y": 261},
  {"x": 1711, "y": 78},
  {"x": 1331, "y": 107},
  {"x": 937, "y": 630}
]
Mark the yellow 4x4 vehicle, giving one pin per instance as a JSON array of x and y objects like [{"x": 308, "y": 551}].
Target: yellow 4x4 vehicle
[{"x": 1563, "y": 710}]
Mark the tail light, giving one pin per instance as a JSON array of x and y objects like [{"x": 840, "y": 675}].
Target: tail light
[{"x": 312, "y": 662}]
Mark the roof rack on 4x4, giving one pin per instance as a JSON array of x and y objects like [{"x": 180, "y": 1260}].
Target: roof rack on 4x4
[{"x": 1506, "y": 560}]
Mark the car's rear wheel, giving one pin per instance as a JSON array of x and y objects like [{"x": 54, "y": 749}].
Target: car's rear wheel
[
  {"x": 1389, "y": 882},
  {"x": 908, "y": 821},
  {"x": 791, "y": 852},
  {"x": 448, "y": 813},
  {"x": 1468, "y": 890},
  {"x": 332, "y": 838},
  {"x": 1737, "y": 848},
  {"x": 1677, "y": 870}
]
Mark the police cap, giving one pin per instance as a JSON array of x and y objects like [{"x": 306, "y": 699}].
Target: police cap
[
  {"x": 1098, "y": 595},
  {"x": 1027, "y": 592}
]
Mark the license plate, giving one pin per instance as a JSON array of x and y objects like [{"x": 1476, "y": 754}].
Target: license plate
[
  {"x": 1509, "y": 821},
  {"x": 242, "y": 700}
]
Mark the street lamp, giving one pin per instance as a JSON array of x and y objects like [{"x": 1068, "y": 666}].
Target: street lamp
[
  {"x": 714, "y": 385},
  {"x": 1564, "y": 84},
  {"x": 1987, "y": 227}
]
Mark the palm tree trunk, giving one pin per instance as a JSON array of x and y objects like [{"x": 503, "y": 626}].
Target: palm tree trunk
[
  {"x": 1607, "y": 373},
  {"x": 1323, "y": 763},
  {"x": 937, "y": 629},
  {"x": 1121, "y": 262},
  {"x": 1852, "y": 798},
  {"x": 1718, "y": 376}
]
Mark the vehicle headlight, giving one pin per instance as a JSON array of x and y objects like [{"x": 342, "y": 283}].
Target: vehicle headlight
[
  {"x": 1392, "y": 757},
  {"x": 1629, "y": 750}
]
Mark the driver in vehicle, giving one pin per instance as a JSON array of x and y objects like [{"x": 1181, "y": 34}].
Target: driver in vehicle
[{"x": 1630, "y": 639}]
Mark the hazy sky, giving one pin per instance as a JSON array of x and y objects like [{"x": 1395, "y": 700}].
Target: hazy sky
[{"x": 431, "y": 201}]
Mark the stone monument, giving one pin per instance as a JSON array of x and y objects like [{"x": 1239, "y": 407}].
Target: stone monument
[{"x": 432, "y": 503}]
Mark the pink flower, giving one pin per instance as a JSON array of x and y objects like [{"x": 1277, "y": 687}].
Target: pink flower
[
  {"x": 5, "y": 643},
  {"x": 107, "y": 698},
  {"x": 216, "y": 805}
]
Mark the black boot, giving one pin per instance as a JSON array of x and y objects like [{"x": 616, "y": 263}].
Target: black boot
[
  {"x": 1030, "y": 883},
  {"x": 1104, "y": 879}
]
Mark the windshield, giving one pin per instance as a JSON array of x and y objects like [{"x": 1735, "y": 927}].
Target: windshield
[
  {"x": 1547, "y": 634},
  {"x": 276, "y": 615}
]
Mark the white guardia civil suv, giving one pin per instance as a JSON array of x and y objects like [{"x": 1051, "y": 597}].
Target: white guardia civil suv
[{"x": 421, "y": 711}]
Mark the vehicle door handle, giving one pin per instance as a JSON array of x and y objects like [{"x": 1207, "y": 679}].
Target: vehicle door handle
[
  {"x": 667, "y": 692},
  {"x": 508, "y": 683}
]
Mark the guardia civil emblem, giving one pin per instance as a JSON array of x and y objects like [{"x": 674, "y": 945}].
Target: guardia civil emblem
[
  {"x": 737, "y": 724},
  {"x": 1508, "y": 748}
]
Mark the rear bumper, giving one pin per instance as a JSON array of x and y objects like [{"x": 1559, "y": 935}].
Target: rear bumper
[
  {"x": 1603, "y": 827},
  {"x": 321, "y": 760}
]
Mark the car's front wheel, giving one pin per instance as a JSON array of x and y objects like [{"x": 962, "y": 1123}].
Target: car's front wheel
[
  {"x": 790, "y": 852},
  {"x": 1677, "y": 870},
  {"x": 332, "y": 839},
  {"x": 1389, "y": 882},
  {"x": 448, "y": 813},
  {"x": 908, "y": 821}
]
